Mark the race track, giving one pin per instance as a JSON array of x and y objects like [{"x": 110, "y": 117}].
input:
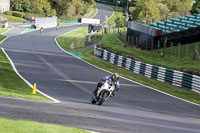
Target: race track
[{"x": 134, "y": 109}]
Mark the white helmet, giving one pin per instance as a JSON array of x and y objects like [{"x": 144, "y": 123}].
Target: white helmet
[{"x": 115, "y": 76}]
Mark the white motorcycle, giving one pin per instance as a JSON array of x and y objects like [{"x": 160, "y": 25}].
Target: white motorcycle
[{"x": 103, "y": 93}]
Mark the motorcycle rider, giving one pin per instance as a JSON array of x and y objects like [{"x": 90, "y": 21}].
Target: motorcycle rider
[{"x": 114, "y": 78}]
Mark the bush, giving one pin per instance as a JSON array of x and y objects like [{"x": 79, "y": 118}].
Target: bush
[
  {"x": 9, "y": 13},
  {"x": 15, "y": 13},
  {"x": 18, "y": 14}
]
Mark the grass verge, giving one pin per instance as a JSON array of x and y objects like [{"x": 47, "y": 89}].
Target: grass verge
[
  {"x": 173, "y": 90},
  {"x": 172, "y": 62},
  {"x": 13, "y": 18},
  {"x": 94, "y": 11},
  {"x": 22, "y": 126},
  {"x": 10, "y": 83},
  {"x": 118, "y": 12},
  {"x": 89, "y": 57},
  {"x": 73, "y": 39}
]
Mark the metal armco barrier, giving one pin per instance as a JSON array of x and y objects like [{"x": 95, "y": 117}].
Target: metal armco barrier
[{"x": 173, "y": 77}]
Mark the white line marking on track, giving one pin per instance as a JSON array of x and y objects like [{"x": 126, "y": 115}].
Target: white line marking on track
[
  {"x": 13, "y": 66},
  {"x": 124, "y": 77},
  {"x": 92, "y": 82}
]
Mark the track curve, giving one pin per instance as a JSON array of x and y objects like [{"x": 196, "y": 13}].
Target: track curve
[{"x": 135, "y": 108}]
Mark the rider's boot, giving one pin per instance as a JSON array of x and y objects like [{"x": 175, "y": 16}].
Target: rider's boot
[{"x": 112, "y": 94}]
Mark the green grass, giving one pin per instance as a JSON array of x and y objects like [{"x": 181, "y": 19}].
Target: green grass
[
  {"x": 2, "y": 37},
  {"x": 94, "y": 11},
  {"x": 118, "y": 12},
  {"x": 12, "y": 85},
  {"x": 119, "y": 9},
  {"x": 172, "y": 62},
  {"x": 89, "y": 57},
  {"x": 173, "y": 90},
  {"x": 77, "y": 38},
  {"x": 13, "y": 18},
  {"x": 22, "y": 126}
]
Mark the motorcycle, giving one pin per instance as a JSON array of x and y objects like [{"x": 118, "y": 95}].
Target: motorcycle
[{"x": 103, "y": 93}]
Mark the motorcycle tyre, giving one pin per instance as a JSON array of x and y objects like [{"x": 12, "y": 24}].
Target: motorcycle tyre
[
  {"x": 93, "y": 101},
  {"x": 102, "y": 97}
]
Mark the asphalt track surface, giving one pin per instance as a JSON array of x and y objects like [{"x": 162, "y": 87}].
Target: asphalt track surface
[{"x": 134, "y": 109}]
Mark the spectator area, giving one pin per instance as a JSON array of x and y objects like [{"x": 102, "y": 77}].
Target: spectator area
[{"x": 178, "y": 24}]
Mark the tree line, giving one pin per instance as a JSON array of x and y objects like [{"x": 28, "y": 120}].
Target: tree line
[
  {"x": 60, "y": 8},
  {"x": 151, "y": 8}
]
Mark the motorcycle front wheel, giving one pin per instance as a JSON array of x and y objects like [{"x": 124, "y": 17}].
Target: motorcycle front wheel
[{"x": 102, "y": 97}]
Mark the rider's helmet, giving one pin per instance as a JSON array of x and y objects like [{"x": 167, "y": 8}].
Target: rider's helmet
[{"x": 115, "y": 76}]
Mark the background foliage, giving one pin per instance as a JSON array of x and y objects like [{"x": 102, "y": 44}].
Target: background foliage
[{"x": 61, "y": 8}]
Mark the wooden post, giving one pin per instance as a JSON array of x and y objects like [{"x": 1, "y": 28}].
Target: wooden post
[
  {"x": 164, "y": 49},
  {"x": 128, "y": 40},
  {"x": 179, "y": 50},
  {"x": 187, "y": 47},
  {"x": 171, "y": 45},
  {"x": 152, "y": 43},
  {"x": 158, "y": 46},
  {"x": 124, "y": 39},
  {"x": 132, "y": 40},
  {"x": 136, "y": 42},
  {"x": 197, "y": 52},
  {"x": 146, "y": 45},
  {"x": 194, "y": 58}
]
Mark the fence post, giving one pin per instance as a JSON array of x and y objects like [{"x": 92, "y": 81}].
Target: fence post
[
  {"x": 164, "y": 49},
  {"x": 194, "y": 53},
  {"x": 128, "y": 40},
  {"x": 179, "y": 50},
  {"x": 136, "y": 40},
  {"x": 158, "y": 46},
  {"x": 187, "y": 50},
  {"x": 152, "y": 43},
  {"x": 171, "y": 45},
  {"x": 146, "y": 45},
  {"x": 132, "y": 41}
]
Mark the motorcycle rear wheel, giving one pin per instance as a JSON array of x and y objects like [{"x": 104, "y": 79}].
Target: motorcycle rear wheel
[{"x": 93, "y": 100}]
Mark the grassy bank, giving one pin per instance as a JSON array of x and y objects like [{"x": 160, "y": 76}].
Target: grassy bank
[
  {"x": 173, "y": 90},
  {"x": 21, "y": 126},
  {"x": 13, "y": 18},
  {"x": 118, "y": 12},
  {"x": 89, "y": 57},
  {"x": 2, "y": 37},
  {"x": 10, "y": 83},
  {"x": 172, "y": 62},
  {"x": 94, "y": 11},
  {"x": 74, "y": 39}
]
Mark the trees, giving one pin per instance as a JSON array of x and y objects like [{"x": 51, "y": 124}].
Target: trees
[
  {"x": 42, "y": 7},
  {"x": 20, "y": 5},
  {"x": 52, "y": 7},
  {"x": 60, "y": 6},
  {"x": 196, "y": 6},
  {"x": 145, "y": 8},
  {"x": 150, "y": 8},
  {"x": 119, "y": 22}
]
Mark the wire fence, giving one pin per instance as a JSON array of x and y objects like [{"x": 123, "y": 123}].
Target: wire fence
[{"x": 160, "y": 47}]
